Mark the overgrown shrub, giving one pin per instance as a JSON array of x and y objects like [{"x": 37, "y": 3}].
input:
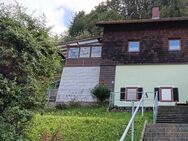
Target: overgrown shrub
[
  {"x": 101, "y": 92},
  {"x": 28, "y": 63}
]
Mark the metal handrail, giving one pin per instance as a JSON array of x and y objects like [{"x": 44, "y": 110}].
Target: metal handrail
[
  {"x": 155, "y": 108},
  {"x": 131, "y": 122}
]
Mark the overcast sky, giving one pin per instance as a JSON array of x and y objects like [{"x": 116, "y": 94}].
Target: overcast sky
[{"x": 59, "y": 13}]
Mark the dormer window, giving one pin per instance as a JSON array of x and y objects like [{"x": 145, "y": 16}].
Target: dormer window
[
  {"x": 174, "y": 44},
  {"x": 133, "y": 46}
]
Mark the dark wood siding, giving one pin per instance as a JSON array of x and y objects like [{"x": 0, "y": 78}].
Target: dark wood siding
[
  {"x": 80, "y": 62},
  {"x": 107, "y": 76},
  {"x": 153, "y": 43}
]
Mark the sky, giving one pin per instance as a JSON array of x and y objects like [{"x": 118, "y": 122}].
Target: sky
[{"x": 59, "y": 13}]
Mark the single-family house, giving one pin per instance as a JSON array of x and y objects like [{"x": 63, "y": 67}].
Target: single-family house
[
  {"x": 149, "y": 56},
  {"x": 133, "y": 57}
]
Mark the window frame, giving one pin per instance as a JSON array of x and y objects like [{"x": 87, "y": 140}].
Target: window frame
[
  {"x": 126, "y": 93},
  {"x": 77, "y": 55},
  {"x": 173, "y": 39},
  {"x": 89, "y": 54},
  {"x": 92, "y": 51},
  {"x": 129, "y": 42},
  {"x": 160, "y": 95}
]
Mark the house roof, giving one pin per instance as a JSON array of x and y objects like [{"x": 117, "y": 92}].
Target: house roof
[
  {"x": 141, "y": 21},
  {"x": 84, "y": 40}
]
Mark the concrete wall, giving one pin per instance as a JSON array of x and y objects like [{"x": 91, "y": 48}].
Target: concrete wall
[
  {"x": 76, "y": 84},
  {"x": 150, "y": 76}
]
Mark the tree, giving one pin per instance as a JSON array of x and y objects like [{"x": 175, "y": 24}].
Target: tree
[
  {"x": 28, "y": 62},
  {"x": 83, "y": 24}
]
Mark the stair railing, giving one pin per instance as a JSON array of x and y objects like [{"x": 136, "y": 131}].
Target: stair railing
[
  {"x": 131, "y": 122},
  {"x": 111, "y": 100},
  {"x": 155, "y": 107}
]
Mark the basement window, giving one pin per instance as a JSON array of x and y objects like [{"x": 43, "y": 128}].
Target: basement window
[
  {"x": 73, "y": 52},
  {"x": 174, "y": 44},
  {"x": 133, "y": 46}
]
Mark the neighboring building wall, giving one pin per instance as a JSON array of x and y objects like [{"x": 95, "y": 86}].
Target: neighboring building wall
[
  {"x": 76, "y": 84},
  {"x": 149, "y": 77},
  {"x": 107, "y": 76},
  {"x": 153, "y": 39}
]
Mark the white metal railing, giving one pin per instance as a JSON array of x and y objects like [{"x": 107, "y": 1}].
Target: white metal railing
[
  {"x": 155, "y": 107},
  {"x": 131, "y": 122},
  {"x": 111, "y": 100}
]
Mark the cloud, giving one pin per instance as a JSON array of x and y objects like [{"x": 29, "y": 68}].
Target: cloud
[{"x": 59, "y": 13}]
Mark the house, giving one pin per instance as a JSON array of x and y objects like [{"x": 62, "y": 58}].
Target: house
[
  {"x": 133, "y": 57},
  {"x": 147, "y": 55}
]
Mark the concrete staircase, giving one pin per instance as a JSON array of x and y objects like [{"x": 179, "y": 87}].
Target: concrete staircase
[
  {"x": 175, "y": 114},
  {"x": 166, "y": 132},
  {"x": 171, "y": 125}
]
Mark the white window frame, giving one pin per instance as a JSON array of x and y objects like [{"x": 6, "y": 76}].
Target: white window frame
[
  {"x": 96, "y": 55},
  {"x": 132, "y": 50},
  {"x": 82, "y": 55},
  {"x": 69, "y": 55},
  {"x": 174, "y": 49}
]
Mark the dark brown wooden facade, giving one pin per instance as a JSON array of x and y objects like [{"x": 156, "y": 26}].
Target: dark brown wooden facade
[{"x": 153, "y": 36}]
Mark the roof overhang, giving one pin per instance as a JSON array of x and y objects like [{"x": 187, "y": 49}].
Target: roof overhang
[{"x": 142, "y": 21}]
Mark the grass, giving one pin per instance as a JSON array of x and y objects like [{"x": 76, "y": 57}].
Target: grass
[{"x": 85, "y": 124}]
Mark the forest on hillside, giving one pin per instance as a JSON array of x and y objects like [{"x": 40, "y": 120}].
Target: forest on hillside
[{"x": 83, "y": 25}]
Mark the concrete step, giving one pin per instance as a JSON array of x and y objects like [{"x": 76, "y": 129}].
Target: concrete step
[
  {"x": 166, "y": 132},
  {"x": 172, "y": 114},
  {"x": 165, "y": 139}
]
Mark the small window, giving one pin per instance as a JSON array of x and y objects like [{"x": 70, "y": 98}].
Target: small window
[
  {"x": 73, "y": 52},
  {"x": 84, "y": 52},
  {"x": 166, "y": 94},
  {"x": 134, "y": 46},
  {"x": 131, "y": 94},
  {"x": 96, "y": 52},
  {"x": 174, "y": 45}
]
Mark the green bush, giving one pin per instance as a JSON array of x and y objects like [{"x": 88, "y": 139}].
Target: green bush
[
  {"x": 28, "y": 64},
  {"x": 101, "y": 92}
]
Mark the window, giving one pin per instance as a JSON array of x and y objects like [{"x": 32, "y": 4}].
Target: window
[
  {"x": 131, "y": 93},
  {"x": 174, "y": 45},
  {"x": 134, "y": 46},
  {"x": 166, "y": 94},
  {"x": 96, "y": 52},
  {"x": 84, "y": 52},
  {"x": 73, "y": 52}
]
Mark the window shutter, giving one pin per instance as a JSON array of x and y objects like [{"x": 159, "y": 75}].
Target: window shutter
[
  {"x": 156, "y": 90},
  {"x": 122, "y": 94},
  {"x": 175, "y": 94},
  {"x": 140, "y": 92}
]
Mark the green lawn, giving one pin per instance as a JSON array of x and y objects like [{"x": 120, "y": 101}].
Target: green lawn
[{"x": 85, "y": 124}]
